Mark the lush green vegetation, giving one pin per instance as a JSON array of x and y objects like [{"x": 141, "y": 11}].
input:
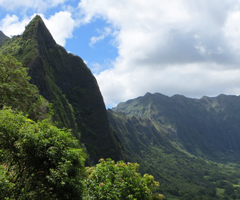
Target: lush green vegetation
[
  {"x": 40, "y": 161},
  {"x": 110, "y": 180},
  {"x": 15, "y": 90}
]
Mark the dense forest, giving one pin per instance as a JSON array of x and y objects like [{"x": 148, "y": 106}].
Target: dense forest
[{"x": 58, "y": 141}]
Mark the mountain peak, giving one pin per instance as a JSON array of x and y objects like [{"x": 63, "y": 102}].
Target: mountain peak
[{"x": 38, "y": 31}]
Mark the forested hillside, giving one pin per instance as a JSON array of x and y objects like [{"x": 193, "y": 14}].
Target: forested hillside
[
  {"x": 206, "y": 127},
  {"x": 65, "y": 81},
  {"x": 190, "y": 145}
]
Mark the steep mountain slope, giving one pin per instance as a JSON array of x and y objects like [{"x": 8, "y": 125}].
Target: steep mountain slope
[
  {"x": 206, "y": 127},
  {"x": 2, "y": 37},
  {"x": 65, "y": 81},
  {"x": 137, "y": 134}
]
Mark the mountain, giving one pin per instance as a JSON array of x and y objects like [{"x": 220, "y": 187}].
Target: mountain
[
  {"x": 191, "y": 146},
  {"x": 2, "y": 37},
  {"x": 65, "y": 81},
  {"x": 206, "y": 127}
]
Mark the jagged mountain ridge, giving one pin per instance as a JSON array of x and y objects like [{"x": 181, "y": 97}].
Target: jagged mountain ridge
[
  {"x": 207, "y": 127},
  {"x": 65, "y": 81}
]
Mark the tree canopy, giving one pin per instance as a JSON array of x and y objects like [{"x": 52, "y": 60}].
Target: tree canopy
[
  {"x": 110, "y": 180},
  {"x": 17, "y": 92},
  {"x": 39, "y": 161}
]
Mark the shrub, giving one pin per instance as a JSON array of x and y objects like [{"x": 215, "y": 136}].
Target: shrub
[{"x": 110, "y": 180}]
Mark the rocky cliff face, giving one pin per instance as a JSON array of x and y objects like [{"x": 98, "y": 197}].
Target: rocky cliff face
[{"x": 65, "y": 81}]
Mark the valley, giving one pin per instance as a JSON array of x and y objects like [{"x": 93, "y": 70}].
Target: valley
[{"x": 187, "y": 144}]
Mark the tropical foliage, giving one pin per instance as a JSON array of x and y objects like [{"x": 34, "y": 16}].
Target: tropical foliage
[
  {"x": 17, "y": 92},
  {"x": 39, "y": 161},
  {"x": 110, "y": 180}
]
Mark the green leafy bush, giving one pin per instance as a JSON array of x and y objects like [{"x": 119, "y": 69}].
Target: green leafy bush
[
  {"x": 110, "y": 180},
  {"x": 17, "y": 92},
  {"x": 39, "y": 161}
]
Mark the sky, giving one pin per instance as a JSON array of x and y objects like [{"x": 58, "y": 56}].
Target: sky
[{"x": 132, "y": 47}]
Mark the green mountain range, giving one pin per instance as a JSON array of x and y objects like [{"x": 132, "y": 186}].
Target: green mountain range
[
  {"x": 206, "y": 127},
  {"x": 191, "y": 146}
]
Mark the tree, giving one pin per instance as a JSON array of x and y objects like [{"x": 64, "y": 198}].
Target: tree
[
  {"x": 39, "y": 161},
  {"x": 229, "y": 189},
  {"x": 110, "y": 180},
  {"x": 17, "y": 92}
]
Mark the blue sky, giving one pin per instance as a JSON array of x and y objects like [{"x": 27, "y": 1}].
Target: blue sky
[{"x": 172, "y": 47}]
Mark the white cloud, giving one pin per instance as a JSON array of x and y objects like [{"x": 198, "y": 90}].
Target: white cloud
[
  {"x": 60, "y": 25},
  {"x": 37, "y": 5},
  {"x": 186, "y": 47},
  {"x": 11, "y": 25},
  {"x": 105, "y": 33},
  {"x": 232, "y": 29}
]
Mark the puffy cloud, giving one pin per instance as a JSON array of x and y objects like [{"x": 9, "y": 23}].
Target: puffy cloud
[
  {"x": 11, "y": 25},
  {"x": 185, "y": 47},
  {"x": 232, "y": 29},
  {"x": 191, "y": 80},
  {"x": 60, "y": 25},
  {"x": 38, "y": 5}
]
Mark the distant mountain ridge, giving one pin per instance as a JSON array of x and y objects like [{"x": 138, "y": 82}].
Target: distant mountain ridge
[
  {"x": 207, "y": 127},
  {"x": 189, "y": 145}
]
